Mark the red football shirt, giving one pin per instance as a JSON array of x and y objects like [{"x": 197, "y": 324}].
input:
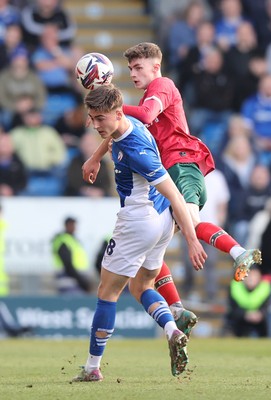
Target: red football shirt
[{"x": 161, "y": 110}]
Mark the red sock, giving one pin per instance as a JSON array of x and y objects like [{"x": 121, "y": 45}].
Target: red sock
[
  {"x": 165, "y": 286},
  {"x": 215, "y": 236}
]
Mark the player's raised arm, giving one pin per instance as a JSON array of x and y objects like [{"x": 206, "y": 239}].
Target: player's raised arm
[
  {"x": 91, "y": 167},
  {"x": 145, "y": 113}
]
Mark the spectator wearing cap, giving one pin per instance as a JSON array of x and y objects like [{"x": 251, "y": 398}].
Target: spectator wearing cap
[{"x": 70, "y": 261}]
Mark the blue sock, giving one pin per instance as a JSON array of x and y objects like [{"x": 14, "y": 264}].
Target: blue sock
[
  {"x": 103, "y": 321},
  {"x": 162, "y": 313}
]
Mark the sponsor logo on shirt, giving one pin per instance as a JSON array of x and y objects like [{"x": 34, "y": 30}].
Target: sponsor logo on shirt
[{"x": 154, "y": 172}]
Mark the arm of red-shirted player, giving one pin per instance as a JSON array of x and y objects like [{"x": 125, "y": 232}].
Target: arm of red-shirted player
[{"x": 146, "y": 113}]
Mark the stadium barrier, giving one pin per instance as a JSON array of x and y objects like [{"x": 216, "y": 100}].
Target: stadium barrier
[{"x": 63, "y": 317}]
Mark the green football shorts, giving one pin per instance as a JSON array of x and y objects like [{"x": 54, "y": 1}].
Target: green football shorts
[{"x": 190, "y": 183}]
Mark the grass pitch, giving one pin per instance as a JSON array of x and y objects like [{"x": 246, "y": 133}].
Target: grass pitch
[{"x": 224, "y": 368}]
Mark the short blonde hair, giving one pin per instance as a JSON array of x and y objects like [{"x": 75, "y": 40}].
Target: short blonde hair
[
  {"x": 143, "y": 50},
  {"x": 105, "y": 98}
]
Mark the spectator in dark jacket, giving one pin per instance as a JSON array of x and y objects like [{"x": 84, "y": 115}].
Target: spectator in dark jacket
[
  {"x": 246, "y": 63},
  {"x": 214, "y": 93},
  {"x": 39, "y": 13},
  {"x": 76, "y": 186},
  {"x": 13, "y": 175}
]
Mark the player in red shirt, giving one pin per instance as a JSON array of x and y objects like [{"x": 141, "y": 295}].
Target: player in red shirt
[{"x": 185, "y": 157}]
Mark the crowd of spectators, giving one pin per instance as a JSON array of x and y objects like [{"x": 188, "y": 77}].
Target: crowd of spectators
[{"x": 42, "y": 115}]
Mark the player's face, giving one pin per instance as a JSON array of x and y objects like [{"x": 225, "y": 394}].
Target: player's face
[
  {"x": 106, "y": 124},
  {"x": 143, "y": 71}
]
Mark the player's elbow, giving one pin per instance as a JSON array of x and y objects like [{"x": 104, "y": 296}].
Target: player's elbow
[{"x": 147, "y": 119}]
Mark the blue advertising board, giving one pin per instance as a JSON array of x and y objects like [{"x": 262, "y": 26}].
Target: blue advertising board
[{"x": 61, "y": 316}]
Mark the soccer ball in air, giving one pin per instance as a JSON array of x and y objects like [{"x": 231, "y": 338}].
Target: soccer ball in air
[{"x": 94, "y": 70}]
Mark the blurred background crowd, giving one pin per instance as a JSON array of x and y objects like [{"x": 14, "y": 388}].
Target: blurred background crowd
[{"x": 218, "y": 52}]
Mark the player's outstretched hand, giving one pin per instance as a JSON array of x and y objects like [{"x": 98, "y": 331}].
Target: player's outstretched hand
[
  {"x": 90, "y": 170},
  {"x": 197, "y": 254}
]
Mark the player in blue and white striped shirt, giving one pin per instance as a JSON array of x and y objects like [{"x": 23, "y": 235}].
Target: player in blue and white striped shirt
[{"x": 142, "y": 232}]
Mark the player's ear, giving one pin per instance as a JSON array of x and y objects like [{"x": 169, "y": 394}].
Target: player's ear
[
  {"x": 88, "y": 122},
  {"x": 119, "y": 114},
  {"x": 156, "y": 67}
]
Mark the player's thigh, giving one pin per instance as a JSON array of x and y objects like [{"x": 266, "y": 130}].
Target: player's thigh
[
  {"x": 155, "y": 255},
  {"x": 190, "y": 183},
  {"x": 130, "y": 242},
  {"x": 146, "y": 275}
]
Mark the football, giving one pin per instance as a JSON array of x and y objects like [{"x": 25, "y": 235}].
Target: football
[{"x": 94, "y": 70}]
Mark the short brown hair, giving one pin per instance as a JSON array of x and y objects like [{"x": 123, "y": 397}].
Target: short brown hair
[
  {"x": 105, "y": 98},
  {"x": 143, "y": 50}
]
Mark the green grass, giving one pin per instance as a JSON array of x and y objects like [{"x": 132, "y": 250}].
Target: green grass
[{"x": 219, "y": 369}]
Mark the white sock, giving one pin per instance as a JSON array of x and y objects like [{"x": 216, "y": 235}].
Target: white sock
[
  {"x": 169, "y": 328},
  {"x": 93, "y": 362},
  {"x": 176, "y": 309},
  {"x": 235, "y": 251}
]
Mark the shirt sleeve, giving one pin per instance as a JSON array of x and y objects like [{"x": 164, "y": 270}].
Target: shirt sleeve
[
  {"x": 145, "y": 113},
  {"x": 159, "y": 95},
  {"x": 146, "y": 162}
]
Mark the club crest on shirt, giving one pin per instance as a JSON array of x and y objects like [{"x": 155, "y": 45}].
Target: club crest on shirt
[{"x": 120, "y": 155}]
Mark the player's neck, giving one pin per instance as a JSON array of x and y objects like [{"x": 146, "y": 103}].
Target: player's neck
[{"x": 122, "y": 128}]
